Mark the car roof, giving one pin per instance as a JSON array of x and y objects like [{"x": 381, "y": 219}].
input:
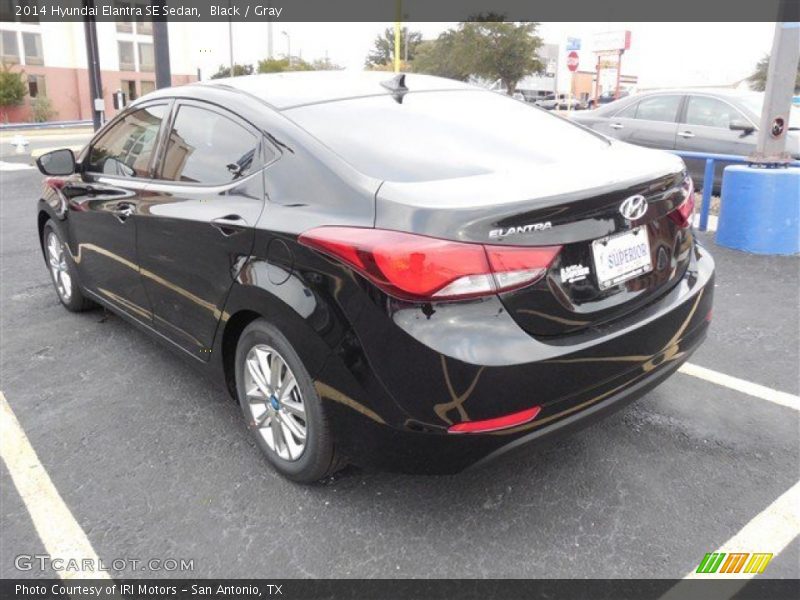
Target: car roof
[
  {"x": 291, "y": 89},
  {"x": 724, "y": 92}
]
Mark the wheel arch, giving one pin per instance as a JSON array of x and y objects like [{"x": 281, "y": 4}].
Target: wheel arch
[{"x": 313, "y": 334}]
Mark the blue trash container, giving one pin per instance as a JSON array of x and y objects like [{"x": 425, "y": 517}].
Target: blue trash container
[{"x": 760, "y": 211}]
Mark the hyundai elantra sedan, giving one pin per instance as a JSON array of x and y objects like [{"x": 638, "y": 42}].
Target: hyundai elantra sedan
[{"x": 406, "y": 272}]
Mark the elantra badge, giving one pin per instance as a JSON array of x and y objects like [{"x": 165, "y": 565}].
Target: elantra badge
[
  {"x": 531, "y": 227},
  {"x": 633, "y": 208}
]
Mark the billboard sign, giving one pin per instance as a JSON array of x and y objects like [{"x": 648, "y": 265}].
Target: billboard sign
[{"x": 611, "y": 41}]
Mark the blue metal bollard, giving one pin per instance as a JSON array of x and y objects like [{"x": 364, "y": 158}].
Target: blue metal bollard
[
  {"x": 708, "y": 185},
  {"x": 760, "y": 211}
]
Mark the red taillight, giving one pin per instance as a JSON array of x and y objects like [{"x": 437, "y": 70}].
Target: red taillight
[
  {"x": 415, "y": 267},
  {"x": 504, "y": 422},
  {"x": 682, "y": 216}
]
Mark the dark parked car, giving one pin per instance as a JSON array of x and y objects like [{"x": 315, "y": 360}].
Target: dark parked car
[
  {"x": 415, "y": 274},
  {"x": 714, "y": 121},
  {"x": 607, "y": 98}
]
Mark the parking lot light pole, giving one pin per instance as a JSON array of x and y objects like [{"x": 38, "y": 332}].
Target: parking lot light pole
[
  {"x": 93, "y": 65},
  {"x": 781, "y": 76}
]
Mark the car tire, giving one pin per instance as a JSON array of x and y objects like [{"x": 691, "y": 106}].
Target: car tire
[
  {"x": 63, "y": 271},
  {"x": 279, "y": 403}
]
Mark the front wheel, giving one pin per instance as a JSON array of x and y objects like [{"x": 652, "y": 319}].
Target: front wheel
[
  {"x": 281, "y": 406},
  {"x": 63, "y": 271}
]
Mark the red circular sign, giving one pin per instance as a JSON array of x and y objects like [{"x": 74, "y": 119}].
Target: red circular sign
[{"x": 572, "y": 61}]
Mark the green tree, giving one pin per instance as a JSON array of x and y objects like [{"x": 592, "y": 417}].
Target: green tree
[
  {"x": 443, "y": 57},
  {"x": 238, "y": 71},
  {"x": 12, "y": 87},
  {"x": 42, "y": 109},
  {"x": 504, "y": 51},
  {"x": 383, "y": 52},
  {"x": 279, "y": 65},
  {"x": 758, "y": 80},
  {"x": 487, "y": 48}
]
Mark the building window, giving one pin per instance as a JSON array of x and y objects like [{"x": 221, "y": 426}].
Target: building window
[
  {"x": 36, "y": 86},
  {"x": 126, "y": 62},
  {"x": 146, "y": 60},
  {"x": 32, "y": 44},
  {"x": 128, "y": 87},
  {"x": 144, "y": 26},
  {"x": 9, "y": 49},
  {"x": 147, "y": 87},
  {"x": 126, "y": 24}
]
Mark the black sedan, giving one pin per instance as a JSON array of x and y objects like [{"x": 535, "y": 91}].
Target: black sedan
[
  {"x": 411, "y": 272},
  {"x": 693, "y": 120}
]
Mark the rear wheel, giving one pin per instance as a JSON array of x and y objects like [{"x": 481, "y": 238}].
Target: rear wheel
[
  {"x": 281, "y": 406},
  {"x": 63, "y": 271}
]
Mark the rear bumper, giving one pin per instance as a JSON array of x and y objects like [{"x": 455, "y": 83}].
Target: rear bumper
[{"x": 391, "y": 396}]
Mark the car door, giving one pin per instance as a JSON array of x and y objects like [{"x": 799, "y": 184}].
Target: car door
[
  {"x": 654, "y": 124},
  {"x": 706, "y": 127},
  {"x": 197, "y": 226},
  {"x": 620, "y": 124},
  {"x": 104, "y": 203}
]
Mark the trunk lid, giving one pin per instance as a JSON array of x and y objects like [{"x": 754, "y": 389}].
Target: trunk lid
[{"x": 575, "y": 205}]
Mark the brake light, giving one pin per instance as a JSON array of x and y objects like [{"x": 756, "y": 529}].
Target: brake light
[
  {"x": 504, "y": 422},
  {"x": 682, "y": 215},
  {"x": 415, "y": 267}
]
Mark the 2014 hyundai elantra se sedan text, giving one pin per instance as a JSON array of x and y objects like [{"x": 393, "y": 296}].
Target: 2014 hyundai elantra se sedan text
[{"x": 406, "y": 272}]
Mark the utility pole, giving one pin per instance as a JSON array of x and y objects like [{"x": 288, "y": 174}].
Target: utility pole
[
  {"x": 93, "y": 66},
  {"x": 161, "y": 51},
  {"x": 781, "y": 74}
]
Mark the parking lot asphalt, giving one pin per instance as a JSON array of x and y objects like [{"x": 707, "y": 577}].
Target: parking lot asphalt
[{"x": 154, "y": 462}]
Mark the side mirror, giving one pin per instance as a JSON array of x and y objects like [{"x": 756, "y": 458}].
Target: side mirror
[
  {"x": 57, "y": 162},
  {"x": 740, "y": 125}
]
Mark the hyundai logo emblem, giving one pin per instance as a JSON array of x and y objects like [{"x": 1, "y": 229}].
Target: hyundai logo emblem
[{"x": 634, "y": 207}]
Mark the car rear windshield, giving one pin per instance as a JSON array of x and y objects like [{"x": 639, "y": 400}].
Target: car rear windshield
[{"x": 439, "y": 135}]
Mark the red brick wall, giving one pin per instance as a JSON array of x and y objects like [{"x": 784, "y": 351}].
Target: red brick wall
[{"x": 68, "y": 91}]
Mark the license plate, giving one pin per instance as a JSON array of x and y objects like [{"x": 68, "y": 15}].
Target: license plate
[{"x": 620, "y": 257}]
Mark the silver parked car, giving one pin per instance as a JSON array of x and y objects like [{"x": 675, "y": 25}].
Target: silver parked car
[{"x": 715, "y": 121}]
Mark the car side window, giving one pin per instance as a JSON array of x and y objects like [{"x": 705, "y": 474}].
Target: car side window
[
  {"x": 207, "y": 147},
  {"x": 658, "y": 108},
  {"x": 710, "y": 112},
  {"x": 629, "y": 112},
  {"x": 125, "y": 150}
]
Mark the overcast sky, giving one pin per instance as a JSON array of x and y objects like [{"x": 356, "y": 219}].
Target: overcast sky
[{"x": 661, "y": 54}]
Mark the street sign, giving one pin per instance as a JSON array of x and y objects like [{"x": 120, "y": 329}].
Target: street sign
[
  {"x": 572, "y": 61},
  {"x": 573, "y": 44}
]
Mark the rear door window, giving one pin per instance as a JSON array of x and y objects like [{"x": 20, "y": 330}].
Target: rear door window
[
  {"x": 207, "y": 147},
  {"x": 658, "y": 108},
  {"x": 126, "y": 149}
]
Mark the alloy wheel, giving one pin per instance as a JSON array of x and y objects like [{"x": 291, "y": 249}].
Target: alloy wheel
[
  {"x": 57, "y": 260},
  {"x": 275, "y": 403}
]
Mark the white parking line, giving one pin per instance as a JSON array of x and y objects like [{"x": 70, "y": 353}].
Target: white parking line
[
  {"x": 741, "y": 385},
  {"x": 771, "y": 531},
  {"x": 11, "y": 166},
  {"x": 60, "y": 533}
]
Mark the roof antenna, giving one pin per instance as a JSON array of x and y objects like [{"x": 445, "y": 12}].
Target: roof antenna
[{"x": 396, "y": 85}]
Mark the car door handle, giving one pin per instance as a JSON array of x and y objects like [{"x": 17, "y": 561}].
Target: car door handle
[
  {"x": 229, "y": 224},
  {"x": 617, "y": 126},
  {"x": 123, "y": 210},
  {"x": 686, "y": 134}
]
